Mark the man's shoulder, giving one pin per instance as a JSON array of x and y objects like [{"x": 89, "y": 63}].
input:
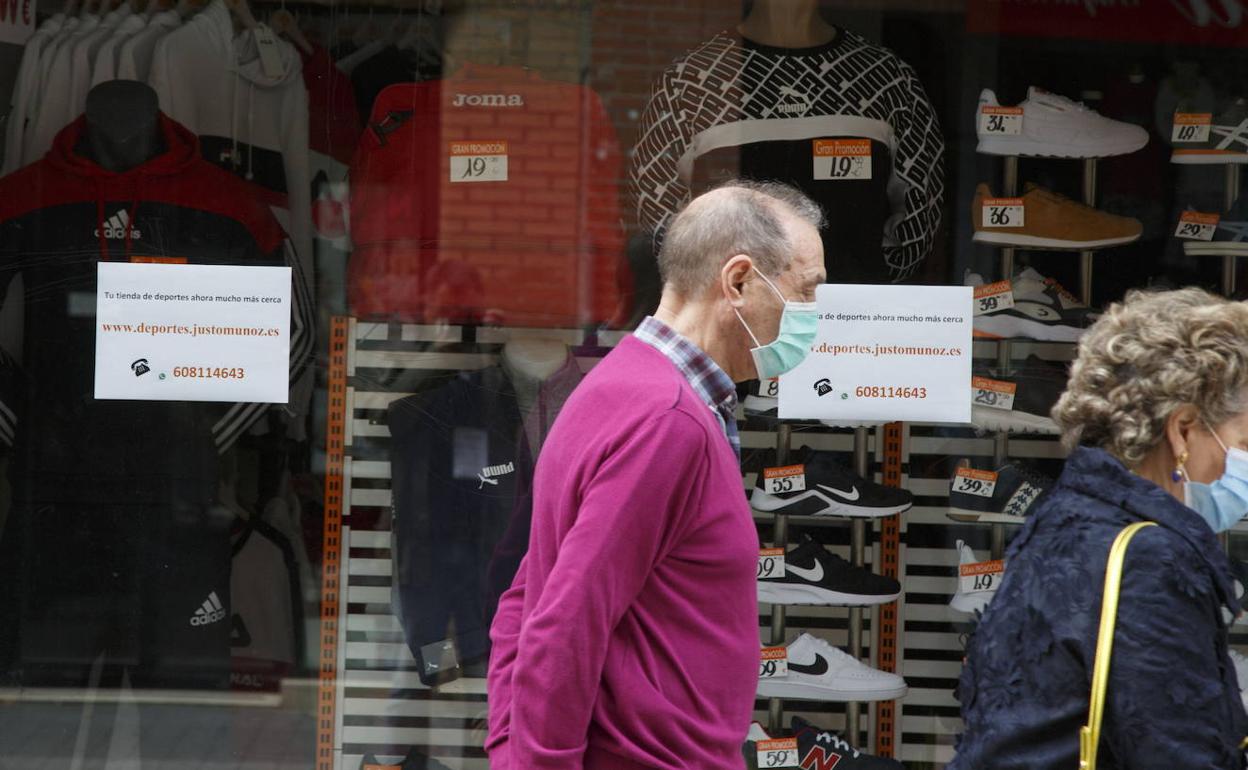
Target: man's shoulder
[{"x": 639, "y": 381}]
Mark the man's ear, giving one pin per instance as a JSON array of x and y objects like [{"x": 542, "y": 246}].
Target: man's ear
[{"x": 733, "y": 277}]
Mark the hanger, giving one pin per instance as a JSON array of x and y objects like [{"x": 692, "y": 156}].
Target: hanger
[
  {"x": 241, "y": 12},
  {"x": 366, "y": 31},
  {"x": 285, "y": 24}
]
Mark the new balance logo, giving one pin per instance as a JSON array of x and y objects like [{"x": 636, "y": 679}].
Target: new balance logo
[
  {"x": 211, "y": 611},
  {"x": 818, "y": 758},
  {"x": 115, "y": 227},
  {"x": 488, "y": 475}
]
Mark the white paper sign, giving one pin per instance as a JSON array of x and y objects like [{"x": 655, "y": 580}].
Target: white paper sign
[
  {"x": 17, "y": 21},
  {"x": 885, "y": 353},
  {"x": 170, "y": 332}
]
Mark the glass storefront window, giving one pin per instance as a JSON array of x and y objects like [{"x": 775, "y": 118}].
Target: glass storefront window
[{"x": 292, "y": 295}]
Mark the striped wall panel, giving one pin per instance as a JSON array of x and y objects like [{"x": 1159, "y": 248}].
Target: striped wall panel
[{"x": 383, "y": 707}]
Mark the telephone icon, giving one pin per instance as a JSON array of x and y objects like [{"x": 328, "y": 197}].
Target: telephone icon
[
  {"x": 823, "y": 387},
  {"x": 140, "y": 367}
]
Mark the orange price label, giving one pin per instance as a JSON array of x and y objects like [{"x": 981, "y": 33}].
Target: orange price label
[
  {"x": 842, "y": 159},
  {"x": 969, "y": 481},
  {"x": 993, "y": 297},
  {"x": 993, "y": 394},
  {"x": 1191, "y": 127},
  {"x": 1197, "y": 226},
  {"x": 788, "y": 478},
  {"x": 480, "y": 161}
]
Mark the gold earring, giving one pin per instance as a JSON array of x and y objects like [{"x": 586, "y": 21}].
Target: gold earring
[{"x": 1179, "y": 471}]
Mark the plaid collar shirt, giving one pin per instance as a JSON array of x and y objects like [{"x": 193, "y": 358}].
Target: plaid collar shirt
[{"x": 708, "y": 380}]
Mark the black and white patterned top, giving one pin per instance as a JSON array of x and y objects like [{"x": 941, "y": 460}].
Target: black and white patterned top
[{"x": 764, "y": 106}]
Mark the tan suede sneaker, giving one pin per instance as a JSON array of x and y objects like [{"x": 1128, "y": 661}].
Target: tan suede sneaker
[{"x": 1042, "y": 219}]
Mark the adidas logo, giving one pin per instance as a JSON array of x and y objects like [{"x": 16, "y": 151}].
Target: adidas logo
[
  {"x": 487, "y": 475},
  {"x": 211, "y": 611},
  {"x": 115, "y": 227}
]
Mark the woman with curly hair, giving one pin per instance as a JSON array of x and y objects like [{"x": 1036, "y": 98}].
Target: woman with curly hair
[{"x": 1155, "y": 417}]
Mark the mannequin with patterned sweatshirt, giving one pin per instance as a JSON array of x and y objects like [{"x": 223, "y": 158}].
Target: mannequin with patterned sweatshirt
[{"x": 758, "y": 102}]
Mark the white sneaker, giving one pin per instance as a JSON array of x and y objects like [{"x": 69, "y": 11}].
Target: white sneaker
[
  {"x": 972, "y": 602},
  {"x": 819, "y": 671},
  {"x": 1056, "y": 127}
]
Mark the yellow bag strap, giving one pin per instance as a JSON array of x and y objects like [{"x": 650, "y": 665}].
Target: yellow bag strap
[{"x": 1090, "y": 735}]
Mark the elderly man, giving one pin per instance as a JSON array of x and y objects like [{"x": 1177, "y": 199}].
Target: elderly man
[{"x": 630, "y": 636}]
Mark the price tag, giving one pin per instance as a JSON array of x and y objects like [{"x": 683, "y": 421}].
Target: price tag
[
  {"x": 993, "y": 394},
  {"x": 993, "y": 297},
  {"x": 790, "y": 478},
  {"x": 1001, "y": 121},
  {"x": 266, "y": 46},
  {"x": 1195, "y": 226},
  {"x": 479, "y": 161},
  {"x": 779, "y": 752},
  {"x": 1191, "y": 127},
  {"x": 980, "y": 578},
  {"x": 769, "y": 388},
  {"x": 770, "y": 563},
  {"x": 839, "y": 159},
  {"x": 1003, "y": 212},
  {"x": 774, "y": 663},
  {"x": 969, "y": 481}
]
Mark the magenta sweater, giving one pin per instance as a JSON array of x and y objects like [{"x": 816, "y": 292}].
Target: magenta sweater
[{"x": 630, "y": 636}]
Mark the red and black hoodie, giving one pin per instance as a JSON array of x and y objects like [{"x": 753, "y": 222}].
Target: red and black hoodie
[{"x": 59, "y": 218}]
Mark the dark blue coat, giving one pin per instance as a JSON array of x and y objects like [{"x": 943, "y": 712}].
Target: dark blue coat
[{"x": 1173, "y": 702}]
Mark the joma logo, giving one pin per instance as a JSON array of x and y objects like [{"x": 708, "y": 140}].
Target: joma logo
[{"x": 488, "y": 100}]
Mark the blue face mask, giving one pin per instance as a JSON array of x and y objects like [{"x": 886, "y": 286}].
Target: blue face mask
[
  {"x": 1224, "y": 502},
  {"x": 798, "y": 323}
]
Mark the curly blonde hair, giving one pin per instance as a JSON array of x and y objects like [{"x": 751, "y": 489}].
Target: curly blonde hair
[{"x": 1147, "y": 356}]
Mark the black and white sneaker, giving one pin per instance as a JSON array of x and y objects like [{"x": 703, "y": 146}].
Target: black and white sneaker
[
  {"x": 814, "y": 575},
  {"x": 831, "y": 490},
  {"x": 1041, "y": 310},
  {"x": 1005, "y": 496},
  {"x": 819, "y": 671},
  {"x": 1024, "y": 399},
  {"x": 823, "y": 749}
]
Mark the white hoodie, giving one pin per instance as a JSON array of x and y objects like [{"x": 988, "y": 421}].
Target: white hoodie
[
  {"x": 26, "y": 90},
  {"x": 83, "y": 57},
  {"x": 104, "y": 68},
  {"x": 214, "y": 84},
  {"x": 135, "y": 59},
  {"x": 51, "y": 112},
  {"x": 249, "y": 121}
]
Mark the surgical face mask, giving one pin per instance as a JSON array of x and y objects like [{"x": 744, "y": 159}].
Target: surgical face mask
[
  {"x": 798, "y": 323},
  {"x": 1224, "y": 502}
]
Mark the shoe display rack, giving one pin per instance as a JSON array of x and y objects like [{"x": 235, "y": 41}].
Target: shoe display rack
[
  {"x": 1004, "y": 350},
  {"x": 858, "y": 544}
]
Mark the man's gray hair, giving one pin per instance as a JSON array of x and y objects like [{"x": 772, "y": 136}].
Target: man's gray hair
[{"x": 742, "y": 217}]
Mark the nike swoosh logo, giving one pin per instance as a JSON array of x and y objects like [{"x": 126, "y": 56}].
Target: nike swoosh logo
[
  {"x": 818, "y": 668},
  {"x": 813, "y": 575},
  {"x": 851, "y": 495}
]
